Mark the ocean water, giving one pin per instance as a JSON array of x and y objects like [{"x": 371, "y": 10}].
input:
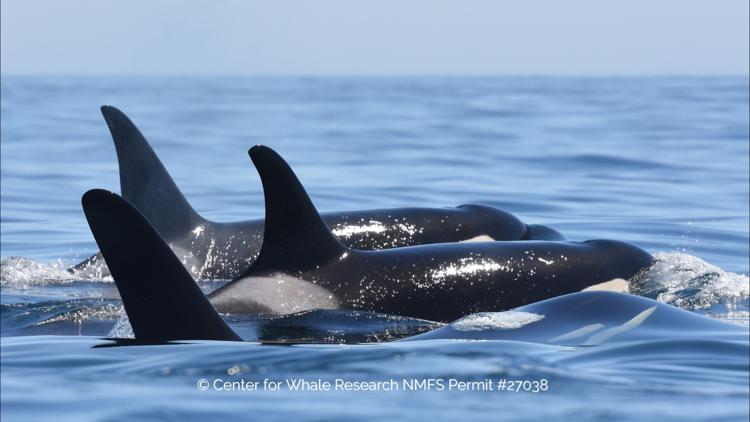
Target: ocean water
[{"x": 658, "y": 162}]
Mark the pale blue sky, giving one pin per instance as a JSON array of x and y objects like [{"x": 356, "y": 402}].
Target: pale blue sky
[{"x": 375, "y": 37}]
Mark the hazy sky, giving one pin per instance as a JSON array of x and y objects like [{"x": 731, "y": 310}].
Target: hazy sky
[{"x": 375, "y": 37}]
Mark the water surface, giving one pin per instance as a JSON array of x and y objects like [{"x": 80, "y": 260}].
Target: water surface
[{"x": 659, "y": 162}]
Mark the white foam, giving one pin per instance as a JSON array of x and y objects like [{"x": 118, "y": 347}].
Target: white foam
[
  {"x": 22, "y": 272},
  {"x": 509, "y": 320},
  {"x": 689, "y": 282}
]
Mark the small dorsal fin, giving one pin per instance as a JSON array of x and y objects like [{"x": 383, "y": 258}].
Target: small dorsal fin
[
  {"x": 161, "y": 299},
  {"x": 295, "y": 238},
  {"x": 144, "y": 182}
]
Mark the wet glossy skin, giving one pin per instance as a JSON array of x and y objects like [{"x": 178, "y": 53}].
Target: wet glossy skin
[
  {"x": 211, "y": 250},
  {"x": 588, "y": 319},
  {"x": 444, "y": 282},
  {"x": 439, "y": 282},
  {"x": 223, "y": 250}
]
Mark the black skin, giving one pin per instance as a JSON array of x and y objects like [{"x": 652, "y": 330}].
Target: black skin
[
  {"x": 447, "y": 281},
  {"x": 234, "y": 246},
  {"x": 162, "y": 301},
  {"x": 211, "y": 250},
  {"x": 439, "y": 282}
]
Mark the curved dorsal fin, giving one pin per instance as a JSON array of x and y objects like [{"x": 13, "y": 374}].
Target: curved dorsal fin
[
  {"x": 295, "y": 238},
  {"x": 160, "y": 297},
  {"x": 144, "y": 182}
]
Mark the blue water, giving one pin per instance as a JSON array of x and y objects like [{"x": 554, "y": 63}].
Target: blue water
[{"x": 659, "y": 162}]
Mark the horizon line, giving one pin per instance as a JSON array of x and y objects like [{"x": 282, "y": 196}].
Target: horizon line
[{"x": 381, "y": 75}]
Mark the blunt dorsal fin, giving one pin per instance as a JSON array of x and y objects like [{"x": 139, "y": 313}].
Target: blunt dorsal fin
[
  {"x": 144, "y": 182},
  {"x": 295, "y": 238},
  {"x": 161, "y": 299}
]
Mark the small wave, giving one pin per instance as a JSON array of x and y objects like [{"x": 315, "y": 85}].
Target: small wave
[
  {"x": 86, "y": 316},
  {"x": 691, "y": 283},
  {"x": 21, "y": 273},
  {"x": 107, "y": 311},
  {"x": 316, "y": 326},
  {"x": 340, "y": 326}
]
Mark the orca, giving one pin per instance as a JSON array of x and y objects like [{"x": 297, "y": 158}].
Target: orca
[
  {"x": 302, "y": 266},
  {"x": 437, "y": 282},
  {"x": 588, "y": 318},
  {"x": 213, "y": 250}
]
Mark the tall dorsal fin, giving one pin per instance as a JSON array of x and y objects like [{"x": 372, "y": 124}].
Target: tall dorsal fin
[
  {"x": 160, "y": 297},
  {"x": 295, "y": 238},
  {"x": 144, "y": 182}
]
